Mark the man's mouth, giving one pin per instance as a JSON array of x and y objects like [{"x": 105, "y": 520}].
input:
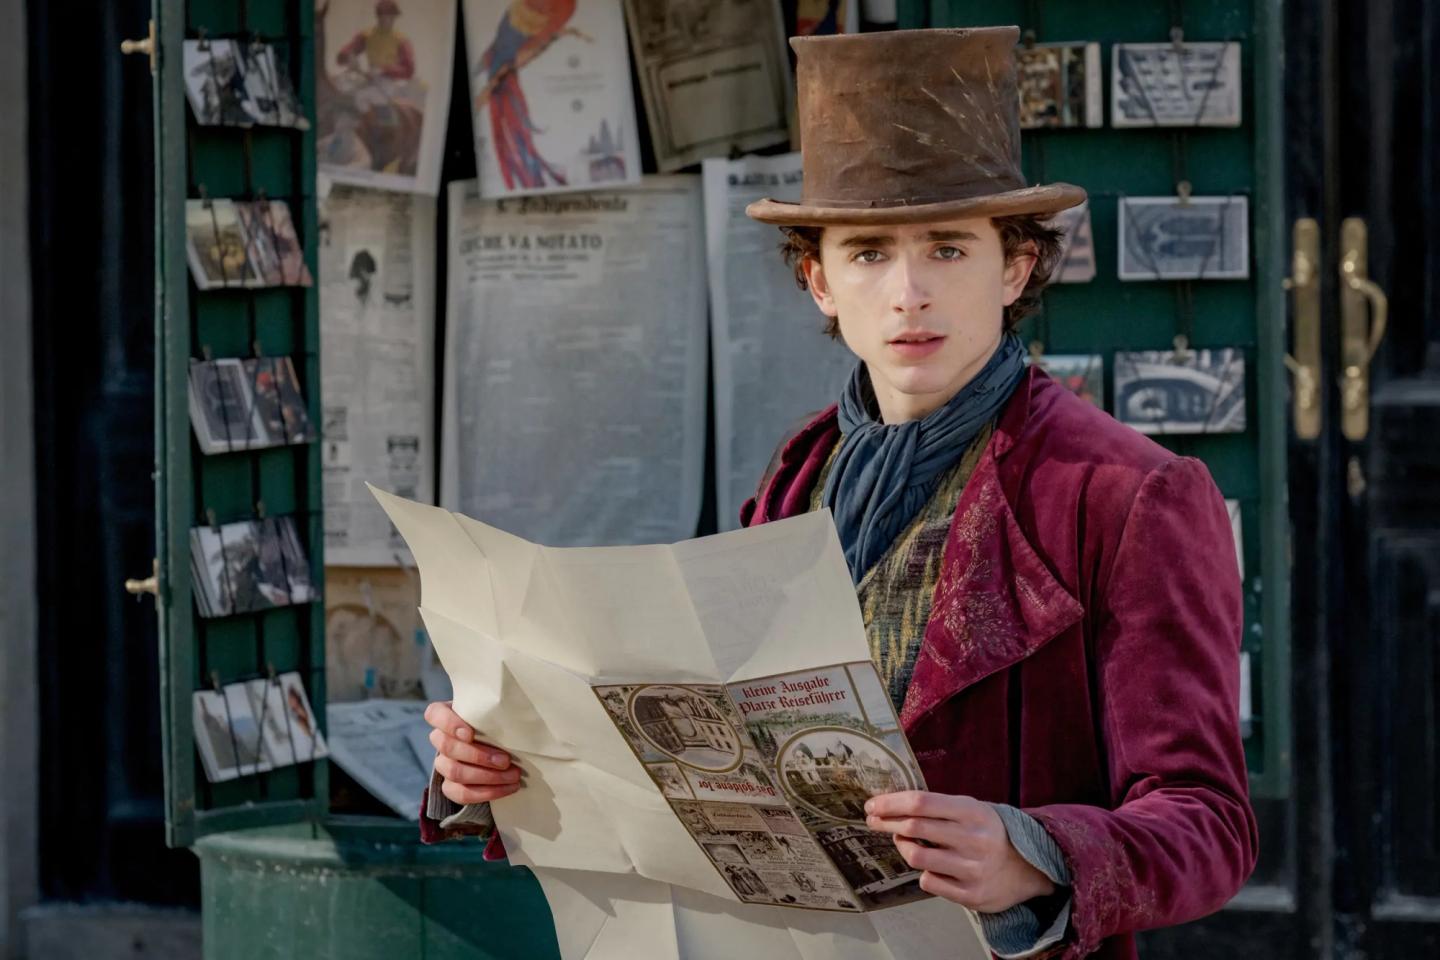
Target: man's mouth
[{"x": 919, "y": 336}]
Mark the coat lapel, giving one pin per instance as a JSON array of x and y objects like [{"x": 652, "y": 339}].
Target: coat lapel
[{"x": 996, "y": 602}]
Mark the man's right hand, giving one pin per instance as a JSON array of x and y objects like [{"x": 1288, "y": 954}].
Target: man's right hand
[{"x": 473, "y": 772}]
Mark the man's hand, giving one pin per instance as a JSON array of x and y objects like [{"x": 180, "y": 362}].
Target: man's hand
[
  {"x": 966, "y": 855},
  {"x": 474, "y": 772}
]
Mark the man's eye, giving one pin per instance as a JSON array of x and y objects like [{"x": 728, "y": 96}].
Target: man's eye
[
  {"x": 949, "y": 253},
  {"x": 868, "y": 256}
]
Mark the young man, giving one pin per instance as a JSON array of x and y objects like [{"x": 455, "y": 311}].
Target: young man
[{"x": 1052, "y": 598}]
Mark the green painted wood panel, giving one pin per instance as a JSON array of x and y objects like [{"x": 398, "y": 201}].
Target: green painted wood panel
[
  {"x": 1107, "y": 315},
  {"x": 358, "y": 889},
  {"x": 192, "y": 162}
]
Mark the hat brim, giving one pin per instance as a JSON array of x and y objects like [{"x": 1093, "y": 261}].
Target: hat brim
[{"x": 1045, "y": 199}]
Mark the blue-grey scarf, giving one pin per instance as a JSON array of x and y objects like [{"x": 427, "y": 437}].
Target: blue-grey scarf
[{"x": 884, "y": 473}]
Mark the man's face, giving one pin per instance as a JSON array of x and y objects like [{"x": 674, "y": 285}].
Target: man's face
[
  {"x": 387, "y": 21},
  {"x": 922, "y": 304}
]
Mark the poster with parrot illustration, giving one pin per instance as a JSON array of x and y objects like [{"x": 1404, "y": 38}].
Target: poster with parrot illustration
[
  {"x": 382, "y": 91},
  {"x": 550, "y": 95}
]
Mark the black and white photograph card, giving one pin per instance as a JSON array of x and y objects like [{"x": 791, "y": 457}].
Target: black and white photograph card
[
  {"x": 1184, "y": 238},
  {"x": 1077, "y": 245},
  {"x": 248, "y": 566},
  {"x": 227, "y": 734},
  {"x": 1060, "y": 85},
  {"x": 223, "y": 406},
  {"x": 291, "y": 732},
  {"x": 1197, "y": 391},
  {"x": 1175, "y": 85},
  {"x": 239, "y": 83},
  {"x": 1083, "y": 374}
]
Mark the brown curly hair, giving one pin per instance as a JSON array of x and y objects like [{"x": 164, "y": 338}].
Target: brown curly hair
[{"x": 1017, "y": 234}]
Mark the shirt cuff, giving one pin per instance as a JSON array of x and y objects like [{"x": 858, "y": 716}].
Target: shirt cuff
[
  {"x": 443, "y": 819},
  {"x": 1021, "y": 931}
]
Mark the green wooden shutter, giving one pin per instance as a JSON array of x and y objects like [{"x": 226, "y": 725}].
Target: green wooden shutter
[
  {"x": 1106, "y": 315},
  {"x": 239, "y": 163}
]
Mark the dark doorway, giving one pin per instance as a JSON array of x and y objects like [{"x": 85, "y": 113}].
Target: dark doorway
[{"x": 92, "y": 238}]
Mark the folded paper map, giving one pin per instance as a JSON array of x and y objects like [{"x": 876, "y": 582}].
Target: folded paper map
[{"x": 699, "y": 724}]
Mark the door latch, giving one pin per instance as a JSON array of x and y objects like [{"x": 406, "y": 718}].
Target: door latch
[{"x": 1364, "y": 312}]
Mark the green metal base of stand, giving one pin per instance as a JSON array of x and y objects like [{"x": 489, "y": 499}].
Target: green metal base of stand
[{"x": 364, "y": 889}]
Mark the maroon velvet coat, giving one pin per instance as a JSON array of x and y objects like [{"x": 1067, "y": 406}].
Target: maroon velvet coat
[{"x": 1082, "y": 658}]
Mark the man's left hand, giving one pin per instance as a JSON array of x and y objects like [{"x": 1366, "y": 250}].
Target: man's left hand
[{"x": 961, "y": 846}]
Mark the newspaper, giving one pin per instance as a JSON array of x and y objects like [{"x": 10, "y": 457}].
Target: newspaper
[
  {"x": 771, "y": 776},
  {"x": 773, "y": 363},
  {"x": 715, "y": 77},
  {"x": 678, "y": 710},
  {"x": 575, "y": 363},
  {"x": 371, "y": 741},
  {"x": 551, "y": 116},
  {"x": 377, "y": 333}
]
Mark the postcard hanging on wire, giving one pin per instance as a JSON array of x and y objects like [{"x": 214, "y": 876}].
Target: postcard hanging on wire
[
  {"x": 1077, "y": 245},
  {"x": 236, "y": 83},
  {"x": 377, "y": 334},
  {"x": 1060, "y": 85},
  {"x": 715, "y": 77},
  {"x": 550, "y": 94},
  {"x": 575, "y": 362},
  {"x": 255, "y": 725},
  {"x": 1184, "y": 238},
  {"x": 1237, "y": 530},
  {"x": 1175, "y": 85},
  {"x": 773, "y": 363},
  {"x": 382, "y": 91},
  {"x": 247, "y": 404},
  {"x": 1168, "y": 392},
  {"x": 249, "y": 566},
  {"x": 1083, "y": 374},
  {"x": 242, "y": 243}
]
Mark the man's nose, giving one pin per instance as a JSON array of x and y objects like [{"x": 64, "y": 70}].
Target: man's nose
[{"x": 910, "y": 295}]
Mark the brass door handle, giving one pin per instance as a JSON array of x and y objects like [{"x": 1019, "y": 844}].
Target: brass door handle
[
  {"x": 1364, "y": 315},
  {"x": 146, "y": 46},
  {"x": 150, "y": 584},
  {"x": 1304, "y": 361}
]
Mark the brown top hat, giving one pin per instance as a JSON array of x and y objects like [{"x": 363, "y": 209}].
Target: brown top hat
[{"x": 907, "y": 126}]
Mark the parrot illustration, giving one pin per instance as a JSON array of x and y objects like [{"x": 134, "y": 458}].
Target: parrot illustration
[{"x": 526, "y": 28}]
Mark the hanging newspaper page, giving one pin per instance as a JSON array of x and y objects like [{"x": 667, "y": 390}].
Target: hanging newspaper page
[
  {"x": 551, "y": 97},
  {"x": 377, "y": 332},
  {"x": 575, "y": 363},
  {"x": 715, "y": 77},
  {"x": 701, "y": 716},
  {"x": 382, "y": 91},
  {"x": 773, "y": 363}
]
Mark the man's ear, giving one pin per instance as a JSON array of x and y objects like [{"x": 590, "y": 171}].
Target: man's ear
[
  {"x": 1017, "y": 273},
  {"x": 819, "y": 288}
]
